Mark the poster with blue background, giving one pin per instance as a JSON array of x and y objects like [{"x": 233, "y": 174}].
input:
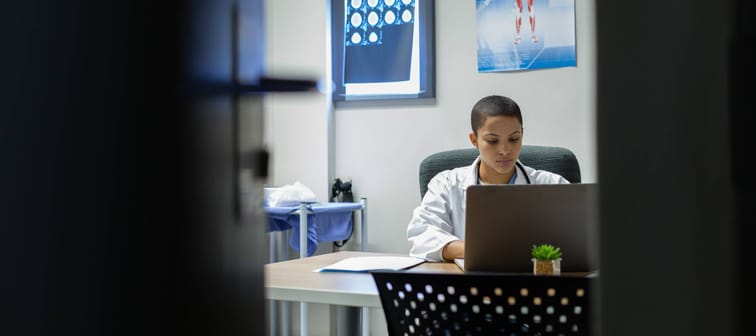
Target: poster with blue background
[{"x": 516, "y": 35}]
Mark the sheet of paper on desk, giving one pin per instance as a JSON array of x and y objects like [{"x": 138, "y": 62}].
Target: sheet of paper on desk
[{"x": 366, "y": 264}]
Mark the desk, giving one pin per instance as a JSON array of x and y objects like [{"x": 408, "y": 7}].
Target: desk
[{"x": 294, "y": 280}]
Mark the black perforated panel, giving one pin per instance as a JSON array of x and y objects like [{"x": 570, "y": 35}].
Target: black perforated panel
[{"x": 484, "y": 304}]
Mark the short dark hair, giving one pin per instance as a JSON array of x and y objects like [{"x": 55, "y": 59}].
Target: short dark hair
[{"x": 492, "y": 106}]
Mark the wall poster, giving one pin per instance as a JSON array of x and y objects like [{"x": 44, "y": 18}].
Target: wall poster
[{"x": 518, "y": 35}]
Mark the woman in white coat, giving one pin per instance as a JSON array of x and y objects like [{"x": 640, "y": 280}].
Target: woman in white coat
[{"x": 437, "y": 228}]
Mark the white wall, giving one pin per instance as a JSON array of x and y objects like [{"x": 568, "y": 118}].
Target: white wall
[
  {"x": 381, "y": 145},
  {"x": 295, "y": 123}
]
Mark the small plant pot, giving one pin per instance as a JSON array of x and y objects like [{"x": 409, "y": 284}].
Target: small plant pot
[{"x": 547, "y": 267}]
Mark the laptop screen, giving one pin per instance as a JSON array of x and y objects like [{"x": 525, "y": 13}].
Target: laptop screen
[{"x": 503, "y": 222}]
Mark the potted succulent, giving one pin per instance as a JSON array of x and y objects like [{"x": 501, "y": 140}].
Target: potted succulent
[{"x": 546, "y": 259}]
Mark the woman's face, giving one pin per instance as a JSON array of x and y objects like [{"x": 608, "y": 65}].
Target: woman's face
[{"x": 499, "y": 141}]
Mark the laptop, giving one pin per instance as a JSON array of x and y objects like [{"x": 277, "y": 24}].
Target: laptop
[{"x": 503, "y": 222}]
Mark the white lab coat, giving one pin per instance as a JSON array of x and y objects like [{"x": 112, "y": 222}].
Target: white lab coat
[{"x": 440, "y": 218}]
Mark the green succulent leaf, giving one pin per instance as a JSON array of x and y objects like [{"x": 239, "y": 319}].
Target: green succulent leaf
[{"x": 546, "y": 252}]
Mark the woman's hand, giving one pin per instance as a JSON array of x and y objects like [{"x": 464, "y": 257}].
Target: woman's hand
[{"x": 454, "y": 249}]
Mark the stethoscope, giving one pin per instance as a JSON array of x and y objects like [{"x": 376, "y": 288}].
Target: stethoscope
[
  {"x": 527, "y": 178},
  {"x": 517, "y": 165}
]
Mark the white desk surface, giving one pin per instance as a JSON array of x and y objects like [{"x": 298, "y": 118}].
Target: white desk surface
[{"x": 294, "y": 280}]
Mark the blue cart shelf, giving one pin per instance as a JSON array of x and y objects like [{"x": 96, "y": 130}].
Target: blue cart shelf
[{"x": 323, "y": 222}]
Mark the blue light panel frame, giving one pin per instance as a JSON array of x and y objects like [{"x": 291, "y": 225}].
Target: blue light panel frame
[{"x": 382, "y": 49}]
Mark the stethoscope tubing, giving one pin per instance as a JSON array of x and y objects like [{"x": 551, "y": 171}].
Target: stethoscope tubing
[{"x": 527, "y": 178}]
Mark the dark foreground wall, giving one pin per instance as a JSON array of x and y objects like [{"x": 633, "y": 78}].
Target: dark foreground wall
[
  {"x": 118, "y": 199},
  {"x": 674, "y": 131}
]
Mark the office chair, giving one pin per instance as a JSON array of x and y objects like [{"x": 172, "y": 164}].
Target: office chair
[
  {"x": 486, "y": 304},
  {"x": 557, "y": 160}
]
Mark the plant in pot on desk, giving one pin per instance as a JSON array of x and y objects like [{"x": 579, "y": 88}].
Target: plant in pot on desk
[{"x": 546, "y": 259}]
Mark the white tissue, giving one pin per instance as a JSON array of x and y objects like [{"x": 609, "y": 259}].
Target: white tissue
[{"x": 289, "y": 195}]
